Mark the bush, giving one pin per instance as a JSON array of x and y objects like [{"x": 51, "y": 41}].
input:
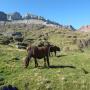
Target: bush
[
  {"x": 22, "y": 44},
  {"x": 5, "y": 40},
  {"x": 18, "y": 39},
  {"x": 29, "y": 40},
  {"x": 1, "y": 80}
]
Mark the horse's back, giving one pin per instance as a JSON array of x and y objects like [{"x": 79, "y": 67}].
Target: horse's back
[
  {"x": 42, "y": 51},
  {"x": 39, "y": 52}
]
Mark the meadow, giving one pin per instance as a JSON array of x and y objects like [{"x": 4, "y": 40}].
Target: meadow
[
  {"x": 66, "y": 71},
  {"x": 69, "y": 70}
]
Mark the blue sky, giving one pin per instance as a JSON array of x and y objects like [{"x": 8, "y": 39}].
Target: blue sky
[{"x": 74, "y": 12}]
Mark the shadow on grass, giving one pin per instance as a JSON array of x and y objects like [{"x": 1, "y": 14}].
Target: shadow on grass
[
  {"x": 61, "y": 55},
  {"x": 56, "y": 67},
  {"x": 62, "y": 66}
]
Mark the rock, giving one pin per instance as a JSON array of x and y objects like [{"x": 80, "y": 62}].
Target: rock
[
  {"x": 70, "y": 27},
  {"x": 14, "y": 16},
  {"x": 21, "y": 45},
  {"x": 17, "y": 34},
  {"x": 3, "y": 16}
]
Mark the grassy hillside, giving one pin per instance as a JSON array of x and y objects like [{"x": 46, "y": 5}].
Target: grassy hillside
[
  {"x": 66, "y": 71},
  {"x": 70, "y": 69}
]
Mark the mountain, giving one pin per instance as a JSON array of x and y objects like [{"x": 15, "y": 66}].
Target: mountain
[
  {"x": 14, "y": 16},
  {"x": 29, "y": 18},
  {"x": 85, "y": 28},
  {"x": 3, "y": 16}
]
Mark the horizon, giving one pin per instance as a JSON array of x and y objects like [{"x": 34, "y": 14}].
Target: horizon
[{"x": 70, "y": 12}]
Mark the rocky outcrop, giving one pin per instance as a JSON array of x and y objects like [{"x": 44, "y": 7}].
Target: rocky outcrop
[
  {"x": 70, "y": 27},
  {"x": 31, "y": 16},
  {"x": 85, "y": 28},
  {"x": 17, "y": 18},
  {"x": 3, "y": 16},
  {"x": 14, "y": 16}
]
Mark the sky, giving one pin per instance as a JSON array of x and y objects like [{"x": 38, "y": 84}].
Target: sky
[{"x": 66, "y": 12}]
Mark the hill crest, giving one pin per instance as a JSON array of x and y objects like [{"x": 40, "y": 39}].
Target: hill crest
[{"x": 16, "y": 18}]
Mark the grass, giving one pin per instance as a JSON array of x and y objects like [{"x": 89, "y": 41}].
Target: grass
[
  {"x": 70, "y": 70},
  {"x": 65, "y": 73}
]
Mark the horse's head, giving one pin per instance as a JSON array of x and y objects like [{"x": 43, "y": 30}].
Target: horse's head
[
  {"x": 57, "y": 48},
  {"x": 28, "y": 57}
]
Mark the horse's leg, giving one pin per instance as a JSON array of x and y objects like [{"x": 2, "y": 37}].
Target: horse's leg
[
  {"x": 44, "y": 62},
  {"x": 48, "y": 61},
  {"x": 36, "y": 63},
  {"x": 55, "y": 53}
]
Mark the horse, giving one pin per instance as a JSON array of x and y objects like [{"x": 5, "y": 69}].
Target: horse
[
  {"x": 54, "y": 49},
  {"x": 37, "y": 53}
]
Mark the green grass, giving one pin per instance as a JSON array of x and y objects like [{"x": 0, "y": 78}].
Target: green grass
[{"x": 66, "y": 72}]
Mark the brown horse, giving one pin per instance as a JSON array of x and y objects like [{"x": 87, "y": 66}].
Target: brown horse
[
  {"x": 37, "y": 53},
  {"x": 54, "y": 49}
]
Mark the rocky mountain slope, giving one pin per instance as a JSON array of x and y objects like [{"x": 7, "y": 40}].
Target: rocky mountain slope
[
  {"x": 17, "y": 18},
  {"x": 85, "y": 28}
]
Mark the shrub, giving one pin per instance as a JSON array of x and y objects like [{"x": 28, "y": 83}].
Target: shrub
[
  {"x": 4, "y": 40},
  {"x": 18, "y": 39}
]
